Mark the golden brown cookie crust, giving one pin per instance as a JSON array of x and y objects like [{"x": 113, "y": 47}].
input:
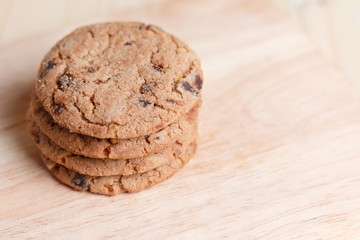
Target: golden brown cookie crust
[
  {"x": 105, "y": 167},
  {"x": 118, "y": 80},
  {"x": 114, "y": 148},
  {"x": 112, "y": 185}
]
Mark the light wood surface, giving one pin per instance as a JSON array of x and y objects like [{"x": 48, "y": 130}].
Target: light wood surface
[
  {"x": 334, "y": 26},
  {"x": 21, "y": 18},
  {"x": 279, "y": 154}
]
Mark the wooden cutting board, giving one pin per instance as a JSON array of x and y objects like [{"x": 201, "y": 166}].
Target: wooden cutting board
[{"x": 279, "y": 153}]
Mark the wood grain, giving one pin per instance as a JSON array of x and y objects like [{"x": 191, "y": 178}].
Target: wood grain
[
  {"x": 279, "y": 141},
  {"x": 333, "y": 25}
]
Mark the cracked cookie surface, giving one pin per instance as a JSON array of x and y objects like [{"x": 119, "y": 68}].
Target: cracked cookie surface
[
  {"x": 112, "y": 185},
  {"x": 118, "y": 80},
  {"x": 105, "y": 167},
  {"x": 114, "y": 148}
]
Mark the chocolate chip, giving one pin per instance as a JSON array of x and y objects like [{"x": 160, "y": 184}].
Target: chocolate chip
[
  {"x": 57, "y": 109},
  {"x": 37, "y": 138},
  {"x": 143, "y": 102},
  {"x": 90, "y": 70},
  {"x": 198, "y": 82},
  {"x": 142, "y": 26},
  {"x": 65, "y": 80},
  {"x": 50, "y": 65},
  {"x": 171, "y": 101},
  {"x": 147, "y": 139},
  {"x": 42, "y": 74},
  {"x": 128, "y": 44},
  {"x": 158, "y": 68},
  {"x": 62, "y": 82},
  {"x": 79, "y": 180},
  {"x": 188, "y": 87},
  {"x": 147, "y": 87},
  {"x": 157, "y": 138}
]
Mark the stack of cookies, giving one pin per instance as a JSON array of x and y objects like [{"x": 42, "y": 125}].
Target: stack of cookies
[{"x": 115, "y": 107}]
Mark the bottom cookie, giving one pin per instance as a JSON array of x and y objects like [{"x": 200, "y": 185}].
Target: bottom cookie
[{"x": 112, "y": 185}]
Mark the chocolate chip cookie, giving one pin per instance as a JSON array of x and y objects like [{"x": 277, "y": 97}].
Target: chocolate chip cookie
[
  {"x": 114, "y": 148},
  {"x": 119, "y": 80},
  {"x": 112, "y": 185},
  {"x": 105, "y": 167}
]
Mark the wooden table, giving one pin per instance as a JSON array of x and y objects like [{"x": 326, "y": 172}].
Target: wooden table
[{"x": 279, "y": 154}]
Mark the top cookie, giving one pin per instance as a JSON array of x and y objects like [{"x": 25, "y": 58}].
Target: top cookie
[{"x": 118, "y": 80}]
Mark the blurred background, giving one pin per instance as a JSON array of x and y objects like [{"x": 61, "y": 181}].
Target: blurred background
[{"x": 333, "y": 25}]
